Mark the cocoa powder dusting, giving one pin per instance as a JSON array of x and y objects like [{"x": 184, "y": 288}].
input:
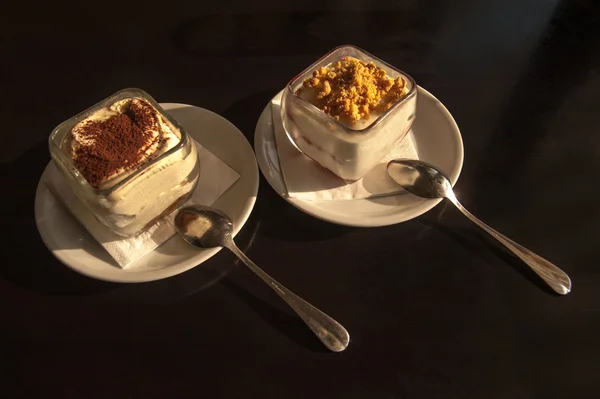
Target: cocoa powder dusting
[{"x": 119, "y": 143}]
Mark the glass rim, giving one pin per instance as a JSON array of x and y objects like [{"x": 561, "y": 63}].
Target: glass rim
[
  {"x": 67, "y": 161},
  {"x": 409, "y": 95}
]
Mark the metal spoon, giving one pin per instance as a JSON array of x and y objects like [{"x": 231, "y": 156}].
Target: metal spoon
[
  {"x": 426, "y": 181},
  {"x": 207, "y": 227}
]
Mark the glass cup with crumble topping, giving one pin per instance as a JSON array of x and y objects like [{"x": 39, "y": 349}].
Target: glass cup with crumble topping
[
  {"x": 127, "y": 160},
  {"x": 348, "y": 110}
]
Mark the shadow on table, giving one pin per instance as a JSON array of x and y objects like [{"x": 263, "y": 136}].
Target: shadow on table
[
  {"x": 560, "y": 64},
  {"x": 477, "y": 242},
  {"x": 286, "y": 323},
  {"x": 31, "y": 265},
  {"x": 245, "y": 113},
  {"x": 280, "y": 220},
  {"x": 223, "y": 269}
]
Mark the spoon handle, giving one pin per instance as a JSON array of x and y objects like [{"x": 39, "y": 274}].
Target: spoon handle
[
  {"x": 330, "y": 332},
  {"x": 551, "y": 274}
]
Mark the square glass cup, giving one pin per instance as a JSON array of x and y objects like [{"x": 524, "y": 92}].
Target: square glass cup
[
  {"x": 347, "y": 152},
  {"x": 144, "y": 196}
]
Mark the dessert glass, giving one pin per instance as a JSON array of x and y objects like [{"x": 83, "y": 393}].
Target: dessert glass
[
  {"x": 151, "y": 192},
  {"x": 347, "y": 152}
]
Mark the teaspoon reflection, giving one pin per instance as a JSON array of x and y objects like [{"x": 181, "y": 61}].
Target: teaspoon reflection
[
  {"x": 207, "y": 227},
  {"x": 426, "y": 181}
]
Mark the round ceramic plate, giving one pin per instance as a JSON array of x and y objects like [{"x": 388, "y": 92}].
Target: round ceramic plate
[
  {"x": 74, "y": 246},
  {"x": 437, "y": 140}
]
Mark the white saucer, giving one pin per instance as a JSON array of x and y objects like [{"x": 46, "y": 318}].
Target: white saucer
[
  {"x": 70, "y": 243},
  {"x": 437, "y": 140}
]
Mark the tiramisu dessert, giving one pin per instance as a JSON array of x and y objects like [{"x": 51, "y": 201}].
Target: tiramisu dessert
[
  {"x": 348, "y": 110},
  {"x": 127, "y": 161}
]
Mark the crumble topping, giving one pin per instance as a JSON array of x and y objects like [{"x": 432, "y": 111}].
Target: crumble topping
[{"x": 351, "y": 90}]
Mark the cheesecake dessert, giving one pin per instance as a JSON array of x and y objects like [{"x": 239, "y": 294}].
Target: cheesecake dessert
[
  {"x": 128, "y": 161},
  {"x": 348, "y": 110}
]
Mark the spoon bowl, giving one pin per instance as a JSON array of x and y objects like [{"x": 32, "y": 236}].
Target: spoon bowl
[
  {"x": 426, "y": 181},
  {"x": 204, "y": 227},
  {"x": 420, "y": 178},
  {"x": 207, "y": 227}
]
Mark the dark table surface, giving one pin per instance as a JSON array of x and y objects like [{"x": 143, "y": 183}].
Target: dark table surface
[{"x": 435, "y": 309}]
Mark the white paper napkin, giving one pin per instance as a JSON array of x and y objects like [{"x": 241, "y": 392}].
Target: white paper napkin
[
  {"x": 307, "y": 180},
  {"x": 215, "y": 178}
]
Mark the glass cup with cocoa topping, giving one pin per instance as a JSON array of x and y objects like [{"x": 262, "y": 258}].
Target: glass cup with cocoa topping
[
  {"x": 348, "y": 110},
  {"x": 127, "y": 160}
]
